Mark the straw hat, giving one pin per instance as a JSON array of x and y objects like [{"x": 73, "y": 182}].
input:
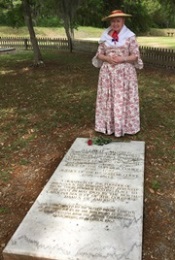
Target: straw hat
[{"x": 116, "y": 13}]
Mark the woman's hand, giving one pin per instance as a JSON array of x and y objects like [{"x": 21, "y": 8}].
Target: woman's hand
[{"x": 114, "y": 60}]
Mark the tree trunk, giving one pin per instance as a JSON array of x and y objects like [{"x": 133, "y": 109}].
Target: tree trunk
[
  {"x": 69, "y": 37},
  {"x": 67, "y": 23},
  {"x": 28, "y": 19}
]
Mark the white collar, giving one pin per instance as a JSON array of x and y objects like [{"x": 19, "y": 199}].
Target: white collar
[{"x": 123, "y": 35}]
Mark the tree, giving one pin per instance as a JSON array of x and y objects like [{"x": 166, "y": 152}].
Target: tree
[
  {"x": 20, "y": 10},
  {"x": 140, "y": 21},
  {"x": 161, "y": 12},
  {"x": 169, "y": 7},
  {"x": 90, "y": 13},
  {"x": 67, "y": 11},
  {"x": 28, "y": 19},
  {"x": 11, "y": 13}
]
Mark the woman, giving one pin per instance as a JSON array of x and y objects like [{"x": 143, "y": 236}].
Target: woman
[{"x": 117, "y": 104}]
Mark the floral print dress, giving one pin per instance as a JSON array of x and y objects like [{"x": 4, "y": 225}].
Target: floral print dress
[{"x": 117, "y": 104}]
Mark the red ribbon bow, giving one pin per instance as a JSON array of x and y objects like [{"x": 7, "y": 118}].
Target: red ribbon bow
[{"x": 115, "y": 36}]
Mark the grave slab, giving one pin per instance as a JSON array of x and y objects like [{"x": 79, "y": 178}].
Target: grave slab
[{"x": 90, "y": 209}]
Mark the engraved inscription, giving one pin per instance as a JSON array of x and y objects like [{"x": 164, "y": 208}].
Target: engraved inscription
[
  {"x": 103, "y": 164},
  {"x": 86, "y": 213},
  {"x": 103, "y": 171},
  {"x": 104, "y": 192},
  {"x": 104, "y": 157}
]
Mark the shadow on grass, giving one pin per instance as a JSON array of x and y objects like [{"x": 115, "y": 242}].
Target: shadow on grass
[{"x": 53, "y": 100}]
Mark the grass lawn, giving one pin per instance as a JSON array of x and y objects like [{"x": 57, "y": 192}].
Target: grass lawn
[
  {"x": 43, "y": 110},
  {"x": 158, "y": 42},
  {"x": 84, "y": 33},
  {"x": 81, "y": 32}
]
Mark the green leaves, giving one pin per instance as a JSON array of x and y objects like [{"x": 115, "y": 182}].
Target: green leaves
[{"x": 99, "y": 140}]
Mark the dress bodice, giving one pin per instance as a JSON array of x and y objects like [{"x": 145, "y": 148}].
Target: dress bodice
[{"x": 129, "y": 47}]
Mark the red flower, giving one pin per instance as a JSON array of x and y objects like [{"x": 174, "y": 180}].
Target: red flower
[{"x": 89, "y": 142}]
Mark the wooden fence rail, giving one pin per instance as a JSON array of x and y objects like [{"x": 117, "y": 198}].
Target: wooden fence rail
[
  {"x": 157, "y": 57},
  {"x": 24, "y": 43},
  {"x": 163, "y": 58}
]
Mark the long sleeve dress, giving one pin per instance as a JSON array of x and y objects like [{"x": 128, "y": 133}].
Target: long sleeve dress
[{"x": 117, "y": 103}]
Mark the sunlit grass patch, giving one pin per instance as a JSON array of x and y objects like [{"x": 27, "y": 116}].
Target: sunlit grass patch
[
  {"x": 157, "y": 42},
  {"x": 24, "y": 161},
  {"x": 4, "y": 175},
  {"x": 155, "y": 184},
  {"x": 4, "y": 210}
]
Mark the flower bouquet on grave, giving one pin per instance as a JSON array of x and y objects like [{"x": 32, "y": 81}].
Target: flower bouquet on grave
[{"x": 99, "y": 141}]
